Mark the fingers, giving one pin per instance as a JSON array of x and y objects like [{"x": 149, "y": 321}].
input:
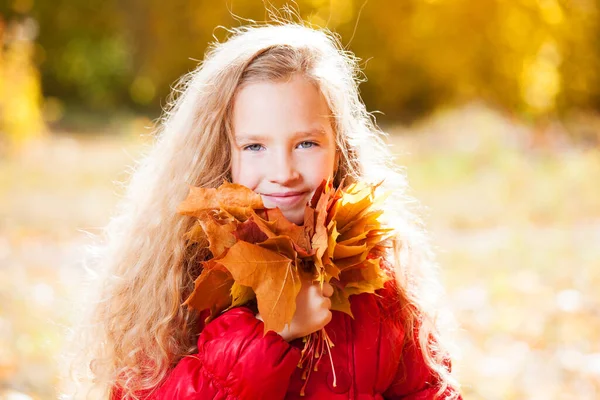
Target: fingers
[{"x": 327, "y": 289}]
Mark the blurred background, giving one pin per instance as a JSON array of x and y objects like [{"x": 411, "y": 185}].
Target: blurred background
[{"x": 492, "y": 105}]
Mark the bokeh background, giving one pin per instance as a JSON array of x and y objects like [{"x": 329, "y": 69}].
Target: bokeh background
[{"x": 492, "y": 105}]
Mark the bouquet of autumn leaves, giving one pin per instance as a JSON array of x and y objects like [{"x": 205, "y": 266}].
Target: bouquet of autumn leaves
[{"x": 257, "y": 254}]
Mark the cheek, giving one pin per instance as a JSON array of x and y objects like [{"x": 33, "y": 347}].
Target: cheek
[
  {"x": 321, "y": 168},
  {"x": 244, "y": 172}
]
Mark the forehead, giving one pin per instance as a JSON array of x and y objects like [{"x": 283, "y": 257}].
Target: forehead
[{"x": 278, "y": 108}]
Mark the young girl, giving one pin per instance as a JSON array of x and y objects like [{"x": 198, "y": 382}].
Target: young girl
[{"x": 275, "y": 108}]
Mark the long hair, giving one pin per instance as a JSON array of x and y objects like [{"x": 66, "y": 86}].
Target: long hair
[{"x": 139, "y": 329}]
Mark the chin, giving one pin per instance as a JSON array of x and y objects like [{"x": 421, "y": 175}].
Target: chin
[{"x": 295, "y": 216}]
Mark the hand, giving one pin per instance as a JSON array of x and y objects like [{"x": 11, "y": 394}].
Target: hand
[{"x": 312, "y": 310}]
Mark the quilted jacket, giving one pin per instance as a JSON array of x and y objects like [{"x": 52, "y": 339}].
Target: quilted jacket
[{"x": 235, "y": 360}]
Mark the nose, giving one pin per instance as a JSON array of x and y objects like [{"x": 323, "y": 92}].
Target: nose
[
  {"x": 282, "y": 169},
  {"x": 327, "y": 289}
]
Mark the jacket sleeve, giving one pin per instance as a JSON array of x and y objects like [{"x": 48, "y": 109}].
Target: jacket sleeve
[
  {"x": 414, "y": 380},
  {"x": 235, "y": 360}
]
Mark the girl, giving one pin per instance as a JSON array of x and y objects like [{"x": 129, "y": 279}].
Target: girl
[{"x": 275, "y": 108}]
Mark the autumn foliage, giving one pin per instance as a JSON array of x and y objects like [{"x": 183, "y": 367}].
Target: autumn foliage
[{"x": 257, "y": 254}]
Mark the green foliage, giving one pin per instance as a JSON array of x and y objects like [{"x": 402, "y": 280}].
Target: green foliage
[{"x": 536, "y": 58}]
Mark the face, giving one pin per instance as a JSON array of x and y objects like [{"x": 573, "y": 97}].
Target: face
[{"x": 284, "y": 145}]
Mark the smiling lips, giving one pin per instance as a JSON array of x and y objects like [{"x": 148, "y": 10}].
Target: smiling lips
[{"x": 286, "y": 199}]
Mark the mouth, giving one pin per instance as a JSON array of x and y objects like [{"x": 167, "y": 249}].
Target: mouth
[{"x": 287, "y": 199}]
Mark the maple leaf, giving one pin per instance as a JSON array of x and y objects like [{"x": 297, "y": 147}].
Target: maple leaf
[
  {"x": 280, "y": 225},
  {"x": 251, "y": 232},
  {"x": 219, "y": 233},
  {"x": 365, "y": 279},
  {"x": 340, "y": 301},
  {"x": 346, "y": 229},
  {"x": 197, "y": 235},
  {"x": 211, "y": 289},
  {"x": 259, "y": 254},
  {"x": 241, "y": 295},
  {"x": 352, "y": 203},
  {"x": 264, "y": 251},
  {"x": 237, "y": 200},
  {"x": 309, "y": 221},
  {"x": 272, "y": 276},
  {"x": 320, "y": 240},
  {"x": 360, "y": 225}
]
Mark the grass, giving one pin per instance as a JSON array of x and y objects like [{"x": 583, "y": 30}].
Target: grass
[{"x": 516, "y": 229}]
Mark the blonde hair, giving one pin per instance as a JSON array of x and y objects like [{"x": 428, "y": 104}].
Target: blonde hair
[{"x": 140, "y": 330}]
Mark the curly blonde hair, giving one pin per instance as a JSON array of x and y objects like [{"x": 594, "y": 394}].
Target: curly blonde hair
[{"x": 139, "y": 329}]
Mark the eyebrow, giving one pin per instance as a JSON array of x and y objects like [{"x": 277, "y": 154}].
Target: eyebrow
[{"x": 317, "y": 132}]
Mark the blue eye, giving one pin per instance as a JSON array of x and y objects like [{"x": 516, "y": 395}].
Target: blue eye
[
  {"x": 307, "y": 145},
  {"x": 253, "y": 147}
]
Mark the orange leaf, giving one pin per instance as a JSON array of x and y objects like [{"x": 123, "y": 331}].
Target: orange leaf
[
  {"x": 280, "y": 225},
  {"x": 342, "y": 251},
  {"x": 273, "y": 277},
  {"x": 309, "y": 221},
  {"x": 319, "y": 240},
  {"x": 349, "y": 262},
  {"x": 366, "y": 279},
  {"x": 249, "y": 231},
  {"x": 282, "y": 245},
  {"x": 340, "y": 301},
  {"x": 220, "y": 236},
  {"x": 235, "y": 199},
  {"x": 211, "y": 289}
]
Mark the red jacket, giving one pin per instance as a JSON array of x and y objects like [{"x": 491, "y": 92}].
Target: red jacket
[{"x": 235, "y": 361}]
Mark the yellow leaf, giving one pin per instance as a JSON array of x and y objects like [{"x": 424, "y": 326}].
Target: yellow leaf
[
  {"x": 241, "y": 294},
  {"x": 342, "y": 251},
  {"x": 332, "y": 240},
  {"x": 197, "y": 235},
  {"x": 365, "y": 223},
  {"x": 340, "y": 302},
  {"x": 348, "y": 262},
  {"x": 351, "y": 205},
  {"x": 368, "y": 278}
]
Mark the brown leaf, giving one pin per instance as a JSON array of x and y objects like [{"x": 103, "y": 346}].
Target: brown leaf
[
  {"x": 273, "y": 277},
  {"x": 320, "y": 238},
  {"x": 280, "y": 225},
  {"x": 319, "y": 192},
  {"x": 249, "y": 231},
  {"x": 211, "y": 289},
  {"x": 309, "y": 221}
]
